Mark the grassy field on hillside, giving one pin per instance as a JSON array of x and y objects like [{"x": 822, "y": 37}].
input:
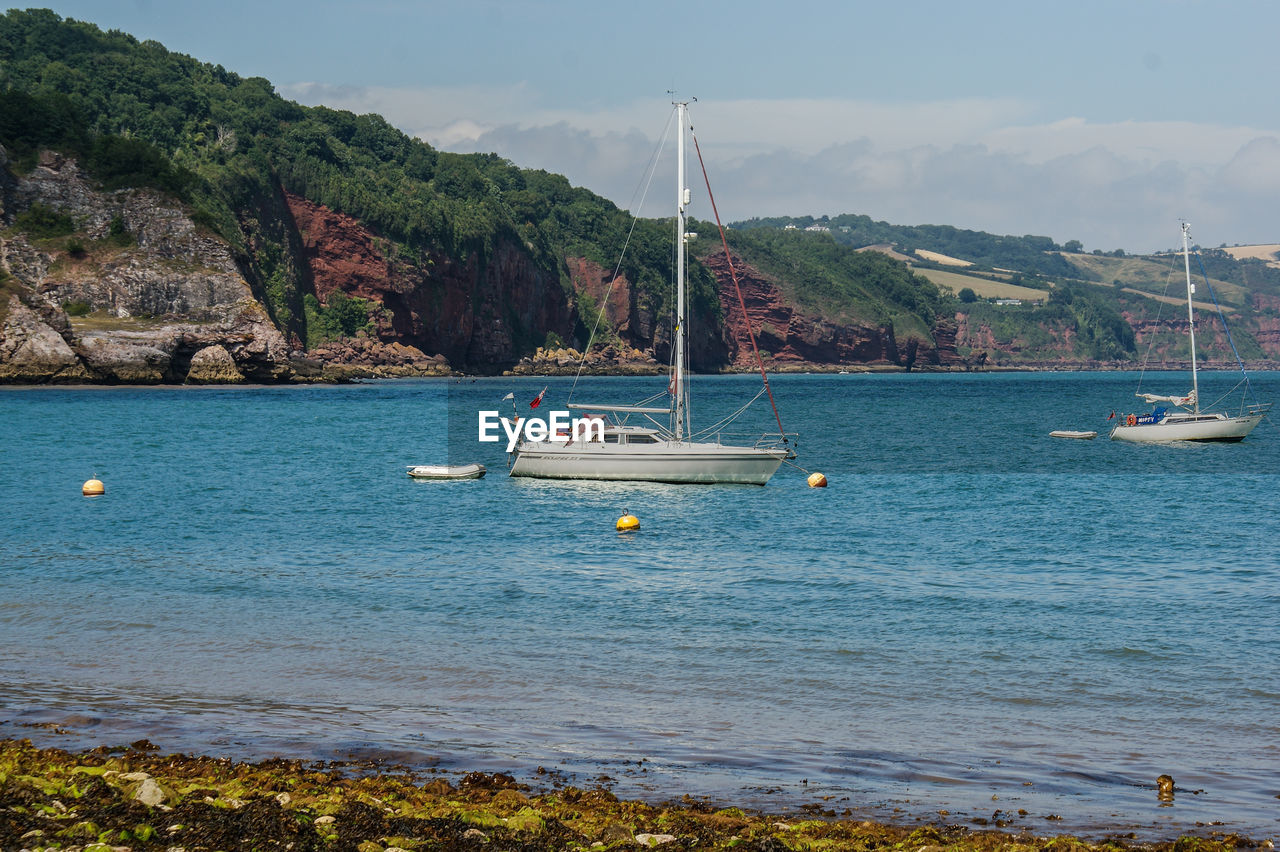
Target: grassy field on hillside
[
  {"x": 984, "y": 287},
  {"x": 1264, "y": 252},
  {"x": 1181, "y": 300},
  {"x": 1152, "y": 276}
]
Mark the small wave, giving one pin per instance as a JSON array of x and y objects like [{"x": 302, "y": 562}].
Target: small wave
[
  {"x": 1127, "y": 652},
  {"x": 1025, "y": 700}
]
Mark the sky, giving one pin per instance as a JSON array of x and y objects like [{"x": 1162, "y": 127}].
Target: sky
[{"x": 1103, "y": 121}]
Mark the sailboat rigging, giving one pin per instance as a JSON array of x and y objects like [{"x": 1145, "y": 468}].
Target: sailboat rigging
[
  {"x": 658, "y": 451},
  {"x": 1187, "y": 422}
]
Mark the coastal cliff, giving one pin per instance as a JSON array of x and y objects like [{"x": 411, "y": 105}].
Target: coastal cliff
[
  {"x": 477, "y": 314},
  {"x": 133, "y": 290},
  {"x": 1267, "y": 331},
  {"x": 1028, "y": 337},
  {"x": 135, "y": 293},
  {"x": 790, "y": 337}
]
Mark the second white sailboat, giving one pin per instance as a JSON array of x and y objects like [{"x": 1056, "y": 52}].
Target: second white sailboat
[{"x": 1187, "y": 422}]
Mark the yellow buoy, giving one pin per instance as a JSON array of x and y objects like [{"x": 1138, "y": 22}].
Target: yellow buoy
[
  {"x": 817, "y": 480},
  {"x": 94, "y": 488},
  {"x": 628, "y": 522}
]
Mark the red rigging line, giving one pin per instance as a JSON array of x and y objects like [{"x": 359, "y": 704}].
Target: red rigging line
[{"x": 733, "y": 273}]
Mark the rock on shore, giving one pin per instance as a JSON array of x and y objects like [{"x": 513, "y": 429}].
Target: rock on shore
[{"x": 606, "y": 360}]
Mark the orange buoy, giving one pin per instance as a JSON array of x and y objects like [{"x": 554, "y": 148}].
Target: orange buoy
[
  {"x": 817, "y": 480},
  {"x": 94, "y": 488},
  {"x": 628, "y": 522}
]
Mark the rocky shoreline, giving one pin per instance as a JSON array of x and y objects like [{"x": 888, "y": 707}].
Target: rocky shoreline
[
  {"x": 135, "y": 289},
  {"x": 213, "y": 365},
  {"x": 136, "y": 798}
]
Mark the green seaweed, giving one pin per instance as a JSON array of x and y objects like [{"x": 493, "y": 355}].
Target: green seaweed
[{"x": 220, "y": 804}]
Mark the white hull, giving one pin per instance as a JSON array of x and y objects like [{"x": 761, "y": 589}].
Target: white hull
[
  {"x": 664, "y": 461},
  {"x": 1188, "y": 427},
  {"x": 1070, "y": 433}
]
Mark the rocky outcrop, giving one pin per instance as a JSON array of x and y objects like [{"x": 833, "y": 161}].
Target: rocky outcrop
[
  {"x": 636, "y": 320},
  {"x": 606, "y": 360},
  {"x": 632, "y": 320},
  {"x": 213, "y": 365},
  {"x": 1267, "y": 324},
  {"x": 1160, "y": 341},
  {"x": 788, "y": 336},
  {"x": 156, "y": 290},
  {"x": 341, "y": 254},
  {"x": 160, "y": 300},
  {"x": 481, "y": 312},
  {"x": 1054, "y": 348},
  {"x": 128, "y": 357},
  {"x": 365, "y": 357},
  {"x": 31, "y": 350},
  {"x": 1165, "y": 342},
  {"x": 944, "y": 341}
]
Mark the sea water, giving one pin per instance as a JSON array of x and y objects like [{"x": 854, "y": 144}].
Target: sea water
[{"x": 973, "y": 618}]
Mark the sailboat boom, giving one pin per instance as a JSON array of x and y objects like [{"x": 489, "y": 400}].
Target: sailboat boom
[{"x": 619, "y": 409}]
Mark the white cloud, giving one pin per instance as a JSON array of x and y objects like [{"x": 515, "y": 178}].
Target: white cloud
[
  {"x": 973, "y": 163},
  {"x": 1143, "y": 141},
  {"x": 1255, "y": 169}
]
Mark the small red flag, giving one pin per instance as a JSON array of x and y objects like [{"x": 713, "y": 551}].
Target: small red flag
[
  {"x": 1113, "y": 416},
  {"x": 537, "y": 400}
]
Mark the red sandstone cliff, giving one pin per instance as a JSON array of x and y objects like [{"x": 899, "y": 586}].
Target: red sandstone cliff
[
  {"x": 792, "y": 337},
  {"x": 786, "y": 335},
  {"x": 1267, "y": 327},
  {"x": 478, "y": 313},
  {"x": 642, "y": 321},
  {"x": 628, "y": 319}
]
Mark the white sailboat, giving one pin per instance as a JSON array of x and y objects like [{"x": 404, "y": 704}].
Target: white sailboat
[
  {"x": 1186, "y": 422},
  {"x": 658, "y": 451}
]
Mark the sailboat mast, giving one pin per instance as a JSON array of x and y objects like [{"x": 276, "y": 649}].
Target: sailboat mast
[
  {"x": 682, "y": 198},
  {"x": 1191, "y": 317}
]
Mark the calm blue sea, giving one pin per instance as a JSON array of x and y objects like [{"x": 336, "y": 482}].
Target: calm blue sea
[{"x": 973, "y": 618}]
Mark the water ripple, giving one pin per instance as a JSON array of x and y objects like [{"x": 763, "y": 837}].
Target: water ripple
[{"x": 948, "y": 621}]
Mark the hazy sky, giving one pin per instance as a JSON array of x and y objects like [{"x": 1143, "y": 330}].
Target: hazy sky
[{"x": 1105, "y": 121}]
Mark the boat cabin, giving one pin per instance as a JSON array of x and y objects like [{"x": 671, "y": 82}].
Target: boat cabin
[{"x": 632, "y": 435}]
